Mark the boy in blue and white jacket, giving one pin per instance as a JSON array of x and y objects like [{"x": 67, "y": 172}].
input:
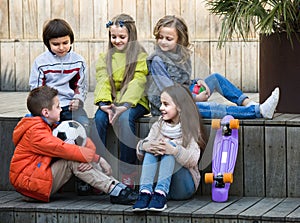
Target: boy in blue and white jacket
[{"x": 62, "y": 69}]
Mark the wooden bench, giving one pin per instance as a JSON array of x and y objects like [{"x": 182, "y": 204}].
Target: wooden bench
[
  {"x": 265, "y": 188},
  {"x": 267, "y": 159},
  {"x": 68, "y": 207}
]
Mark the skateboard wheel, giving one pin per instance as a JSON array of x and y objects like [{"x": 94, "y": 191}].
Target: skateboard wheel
[
  {"x": 234, "y": 124},
  {"x": 209, "y": 178},
  {"x": 228, "y": 178},
  {"x": 216, "y": 123}
]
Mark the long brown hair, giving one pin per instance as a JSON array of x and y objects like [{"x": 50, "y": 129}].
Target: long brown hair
[
  {"x": 133, "y": 49},
  {"x": 190, "y": 118},
  {"x": 179, "y": 24}
]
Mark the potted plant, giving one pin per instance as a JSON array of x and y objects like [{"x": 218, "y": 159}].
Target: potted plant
[{"x": 278, "y": 24}]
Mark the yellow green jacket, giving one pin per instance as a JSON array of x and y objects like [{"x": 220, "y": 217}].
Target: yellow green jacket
[{"x": 135, "y": 92}]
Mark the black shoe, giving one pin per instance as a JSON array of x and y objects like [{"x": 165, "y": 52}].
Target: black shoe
[
  {"x": 83, "y": 188},
  {"x": 126, "y": 196}
]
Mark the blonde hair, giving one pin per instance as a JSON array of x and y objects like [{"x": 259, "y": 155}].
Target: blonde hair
[
  {"x": 179, "y": 24},
  {"x": 133, "y": 49},
  {"x": 190, "y": 118}
]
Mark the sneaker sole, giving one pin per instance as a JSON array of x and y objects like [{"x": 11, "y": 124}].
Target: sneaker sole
[
  {"x": 139, "y": 209},
  {"x": 158, "y": 209}
]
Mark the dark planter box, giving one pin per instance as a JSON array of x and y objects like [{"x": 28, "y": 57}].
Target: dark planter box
[{"x": 280, "y": 66}]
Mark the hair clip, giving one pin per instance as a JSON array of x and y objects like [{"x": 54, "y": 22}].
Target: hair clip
[
  {"x": 109, "y": 24},
  {"x": 121, "y": 23}
]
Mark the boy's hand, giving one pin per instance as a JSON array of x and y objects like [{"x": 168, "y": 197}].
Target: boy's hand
[
  {"x": 84, "y": 167},
  {"x": 74, "y": 104}
]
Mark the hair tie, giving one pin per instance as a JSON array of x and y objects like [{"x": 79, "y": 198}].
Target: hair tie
[
  {"x": 109, "y": 24},
  {"x": 121, "y": 23}
]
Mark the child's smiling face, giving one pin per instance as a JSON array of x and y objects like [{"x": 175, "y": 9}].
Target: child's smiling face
[
  {"x": 119, "y": 37},
  {"x": 168, "y": 108},
  {"x": 167, "y": 39}
]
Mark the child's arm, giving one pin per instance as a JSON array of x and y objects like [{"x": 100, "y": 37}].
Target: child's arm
[
  {"x": 36, "y": 77},
  {"x": 159, "y": 73},
  {"x": 82, "y": 86},
  {"x": 136, "y": 87}
]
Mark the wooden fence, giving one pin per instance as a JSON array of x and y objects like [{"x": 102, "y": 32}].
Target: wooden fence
[{"x": 21, "y": 23}]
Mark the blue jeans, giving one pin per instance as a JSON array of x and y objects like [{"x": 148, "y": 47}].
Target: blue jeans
[
  {"x": 125, "y": 129},
  {"x": 174, "y": 180},
  {"x": 219, "y": 83}
]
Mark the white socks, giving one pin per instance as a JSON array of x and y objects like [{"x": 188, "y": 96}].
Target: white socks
[{"x": 267, "y": 108}]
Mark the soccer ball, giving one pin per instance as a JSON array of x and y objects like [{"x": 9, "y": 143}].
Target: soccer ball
[{"x": 71, "y": 132}]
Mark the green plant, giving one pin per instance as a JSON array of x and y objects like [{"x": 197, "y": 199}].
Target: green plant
[{"x": 242, "y": 17}]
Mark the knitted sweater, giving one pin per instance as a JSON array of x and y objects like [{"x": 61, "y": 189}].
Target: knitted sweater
[{"x": 187, "y": 156}]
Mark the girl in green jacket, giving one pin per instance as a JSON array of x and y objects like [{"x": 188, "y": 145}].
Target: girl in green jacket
[{"x": 119, "y": 94}]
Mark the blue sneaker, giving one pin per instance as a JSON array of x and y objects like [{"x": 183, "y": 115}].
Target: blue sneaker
[
  {"x": 158, "y": 202},
  {"x": 142, "y": 202}
]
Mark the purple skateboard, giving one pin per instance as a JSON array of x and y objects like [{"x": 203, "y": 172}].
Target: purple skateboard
[{"x": 224, "y": 157}]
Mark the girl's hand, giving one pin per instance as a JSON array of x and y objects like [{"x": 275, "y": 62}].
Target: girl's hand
[
  {"x": 106, "y": 168},
  {"x": 118, "y": 110},
  {"x": 109, "y": 110},
  {"x": 203, "y": 96},
  {"x": 166, "y": 148},
  {"x": 202, "y": 83},
  {"x": 74, "y": 104},
  {"x": 85, "y": 167}
]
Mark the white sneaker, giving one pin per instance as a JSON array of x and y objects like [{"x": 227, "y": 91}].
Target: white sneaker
[{"x": 267, "y": 109}]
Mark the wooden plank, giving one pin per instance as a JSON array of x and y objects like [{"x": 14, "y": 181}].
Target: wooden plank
[
  {"x": 45, "y": 7},
  {"x": 4, "y": 31},
  {"x": 7, "y": 62},
  {"x": 188, "y": 13},
  {"x": 82, "y": 48},
  {"x": 157, "y": 11},
  {"x": 249, "y": 64},
  {"x": 173, "y": 7},
  {"x": 206, "y": 214},
  {"x": 201, "y": 59},
  {"x": 30, "y": 19},
  {"x": 95, "y": 48},
  {"x": 86, "y": 8},
  {"x": 22, "y": 66},
  {"x": 129, "y": 7},
  {"x": 294, "y": 216},
  {"x": 164, "y": 215},
  {"x": 282, "y": 210},
  {"x": 233, "y": 63},
  {"x": 232, "y": 211},
  {"x": 275, "y": 156},
  {"x": 185, "y": 210},
  {"x": 113, "y": 8},
  {"x": 293, "y": 157},
  {"x": 144, "y": 23},
  {"x": 257, "y": 210},
  {"x": 15, "y": 19},
  {"x": 100, "y": 19},
  {"x": 72, "y": 16},
  {"x": 237, "y": 187},
  {"x": 7, "y": 149},
  {"x": 254, "y": 163},
  {"x": 57, "y": 9},
  {"x": 217, "y": 58},
  {"x": 202, "y": 20}
]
